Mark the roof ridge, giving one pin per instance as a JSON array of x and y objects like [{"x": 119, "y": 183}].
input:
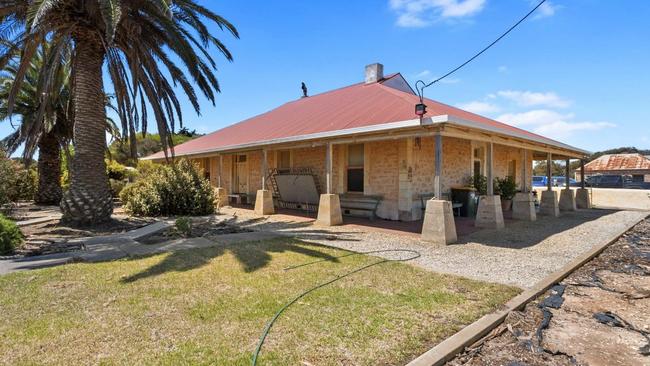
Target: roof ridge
[{"x": 361, "y": 83}]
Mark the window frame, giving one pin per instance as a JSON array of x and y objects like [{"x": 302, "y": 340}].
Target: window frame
[{"x": 356, "y": 168}]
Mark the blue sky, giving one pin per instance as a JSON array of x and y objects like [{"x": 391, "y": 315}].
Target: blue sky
[{"x": 576, "y": 71}]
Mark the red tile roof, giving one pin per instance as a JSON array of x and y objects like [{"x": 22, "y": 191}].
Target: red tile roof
[
  {"x": 613, "y": 162},
  {"x": 355, "y": 106}
]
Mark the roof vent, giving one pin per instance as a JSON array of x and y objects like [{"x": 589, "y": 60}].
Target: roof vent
[{"x": 374, "y": 73}]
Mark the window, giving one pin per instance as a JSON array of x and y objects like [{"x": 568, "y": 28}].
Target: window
[
  {"x": 356, "y": 160},
  {"x": 284, "y": 159},
  {"x": 478, "y": 155},
  {"x": 241, "y": 158}
]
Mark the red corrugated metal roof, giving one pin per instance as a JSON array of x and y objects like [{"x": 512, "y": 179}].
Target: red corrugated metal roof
[
  {"x": 355, "y": 106},
  {"x": 612, "y": 162}
]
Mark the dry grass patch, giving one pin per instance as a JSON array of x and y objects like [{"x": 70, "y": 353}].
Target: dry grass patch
[{"x": 209, "y": 306}]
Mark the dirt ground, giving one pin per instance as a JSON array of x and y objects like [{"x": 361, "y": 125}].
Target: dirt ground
[{"x": 599, "y": 315}]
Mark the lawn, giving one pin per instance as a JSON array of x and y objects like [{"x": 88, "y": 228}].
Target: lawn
[{"x": 210, "y": 306}]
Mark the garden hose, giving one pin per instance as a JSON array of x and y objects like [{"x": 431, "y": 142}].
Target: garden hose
[{"x": 267, "y": 329}]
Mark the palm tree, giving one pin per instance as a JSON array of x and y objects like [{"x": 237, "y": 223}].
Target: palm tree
[
  {"x": 141, "y": 42},
  {"x": 44, "y": 122}
]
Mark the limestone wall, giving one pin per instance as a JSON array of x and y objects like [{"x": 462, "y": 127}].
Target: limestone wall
[
  {"x": 456, "y": 163},
  {"x": 399, "y": 170},
  {"x": 313, "y": 158},
  {"x": 382, "y": 159},
  {"x": 503, "y": 155}
]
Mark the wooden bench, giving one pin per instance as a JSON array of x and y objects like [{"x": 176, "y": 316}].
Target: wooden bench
[
  {"x": 238, "y": 198},
  {"x": 360, "y": 205},
  {"x": 424, "y": 197}
]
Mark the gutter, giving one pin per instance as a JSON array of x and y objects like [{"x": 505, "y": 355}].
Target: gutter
[
  {"x": 314, "y": 136},
  {"x": 479, "y": 126},
  {"x": 412, "y": 123}
]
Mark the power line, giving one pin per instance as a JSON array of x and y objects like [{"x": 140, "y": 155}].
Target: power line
[{"x": 421, "y": 90}]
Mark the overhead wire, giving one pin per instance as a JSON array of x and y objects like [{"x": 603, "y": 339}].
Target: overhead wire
[{"x": 420, "y": 90}]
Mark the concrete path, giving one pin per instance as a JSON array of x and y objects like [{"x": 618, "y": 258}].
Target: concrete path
[
  {"x": 106, "y": 248},
  {"x": 36, "y": 262}
]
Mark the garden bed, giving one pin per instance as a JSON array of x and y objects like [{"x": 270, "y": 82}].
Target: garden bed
[
  {"x": 210, "y": 306},
  {"x": 27, "y": 210},
  {"x": 54, "y": 236}
]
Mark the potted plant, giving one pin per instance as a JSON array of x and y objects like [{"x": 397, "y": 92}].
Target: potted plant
[{"x": 506, "y": 188}]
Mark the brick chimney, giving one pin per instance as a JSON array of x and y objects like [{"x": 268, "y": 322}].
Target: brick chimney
[{"x": 374, "y": 73}]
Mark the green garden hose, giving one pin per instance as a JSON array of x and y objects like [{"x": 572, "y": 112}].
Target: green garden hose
[{"x": 267, "y": 329}]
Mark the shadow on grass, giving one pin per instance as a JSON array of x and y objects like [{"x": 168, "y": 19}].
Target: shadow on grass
[
  {"x": 251, "y": 255},
  {"x": 296, "y": 228}
]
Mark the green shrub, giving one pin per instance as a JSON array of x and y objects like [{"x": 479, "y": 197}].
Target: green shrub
[
  {"x": 10, "y": 236},
  {"x": 184, "y": 226},
  {"x": 145, "y": 167},
  {"x": 117, "y": 186},
  {"x": 115, "y": 170},
  {"x": 119, "y": 175},
  {"x": 16, "y": 182},
  {"x": 175, "y": 189},
  {"x": 505, "y": 187}
]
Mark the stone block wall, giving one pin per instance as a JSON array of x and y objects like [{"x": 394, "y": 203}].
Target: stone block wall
[
  {"x": 503, "y": 155},
  {"x": 313, "y": 158},
  {"x": 382, "y": 172},
  {"x": 399, "y": 170},
  {"x": 226, "y": 173},
  {"x": 423, "y": 165},
  {"x": 456, "y": 162}
]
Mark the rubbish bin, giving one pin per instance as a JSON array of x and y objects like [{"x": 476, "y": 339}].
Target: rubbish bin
[{"x": 468, "y": 197}]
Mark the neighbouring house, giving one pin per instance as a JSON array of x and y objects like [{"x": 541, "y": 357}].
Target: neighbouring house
[
  {"x": 365, "y": 144},
  {"x": 635, "y": 165}
]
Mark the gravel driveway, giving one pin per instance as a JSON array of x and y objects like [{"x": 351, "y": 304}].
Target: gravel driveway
[{"x": 521, "y": 255}]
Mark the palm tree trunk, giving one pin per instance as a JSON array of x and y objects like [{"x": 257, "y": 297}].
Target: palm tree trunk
[
  {"x": 88, "y": 201},
  {"x": 49, "y": 171}
]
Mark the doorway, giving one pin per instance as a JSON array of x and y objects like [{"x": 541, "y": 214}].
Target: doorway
[{"x": 241, "y": 173}]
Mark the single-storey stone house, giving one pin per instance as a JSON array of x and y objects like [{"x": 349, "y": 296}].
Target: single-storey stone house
[{"x": 365, "y": 140}]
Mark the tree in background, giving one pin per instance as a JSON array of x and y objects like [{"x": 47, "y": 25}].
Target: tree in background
[
  {"x": 43, "y": 114},
  {"x": 141, "y": 42},
  {"x": 557, "y": 168},
  {"x": 45, "y": 120},
  {"x": 120, "y": 150}
]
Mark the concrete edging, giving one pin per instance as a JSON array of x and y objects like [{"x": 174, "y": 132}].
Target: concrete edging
[
  {"x": 450, "y": 347},
  {"x": 38, "y": 220}
]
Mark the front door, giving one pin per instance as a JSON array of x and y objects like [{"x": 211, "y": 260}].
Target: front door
[{"x": 241, "y": 174}]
